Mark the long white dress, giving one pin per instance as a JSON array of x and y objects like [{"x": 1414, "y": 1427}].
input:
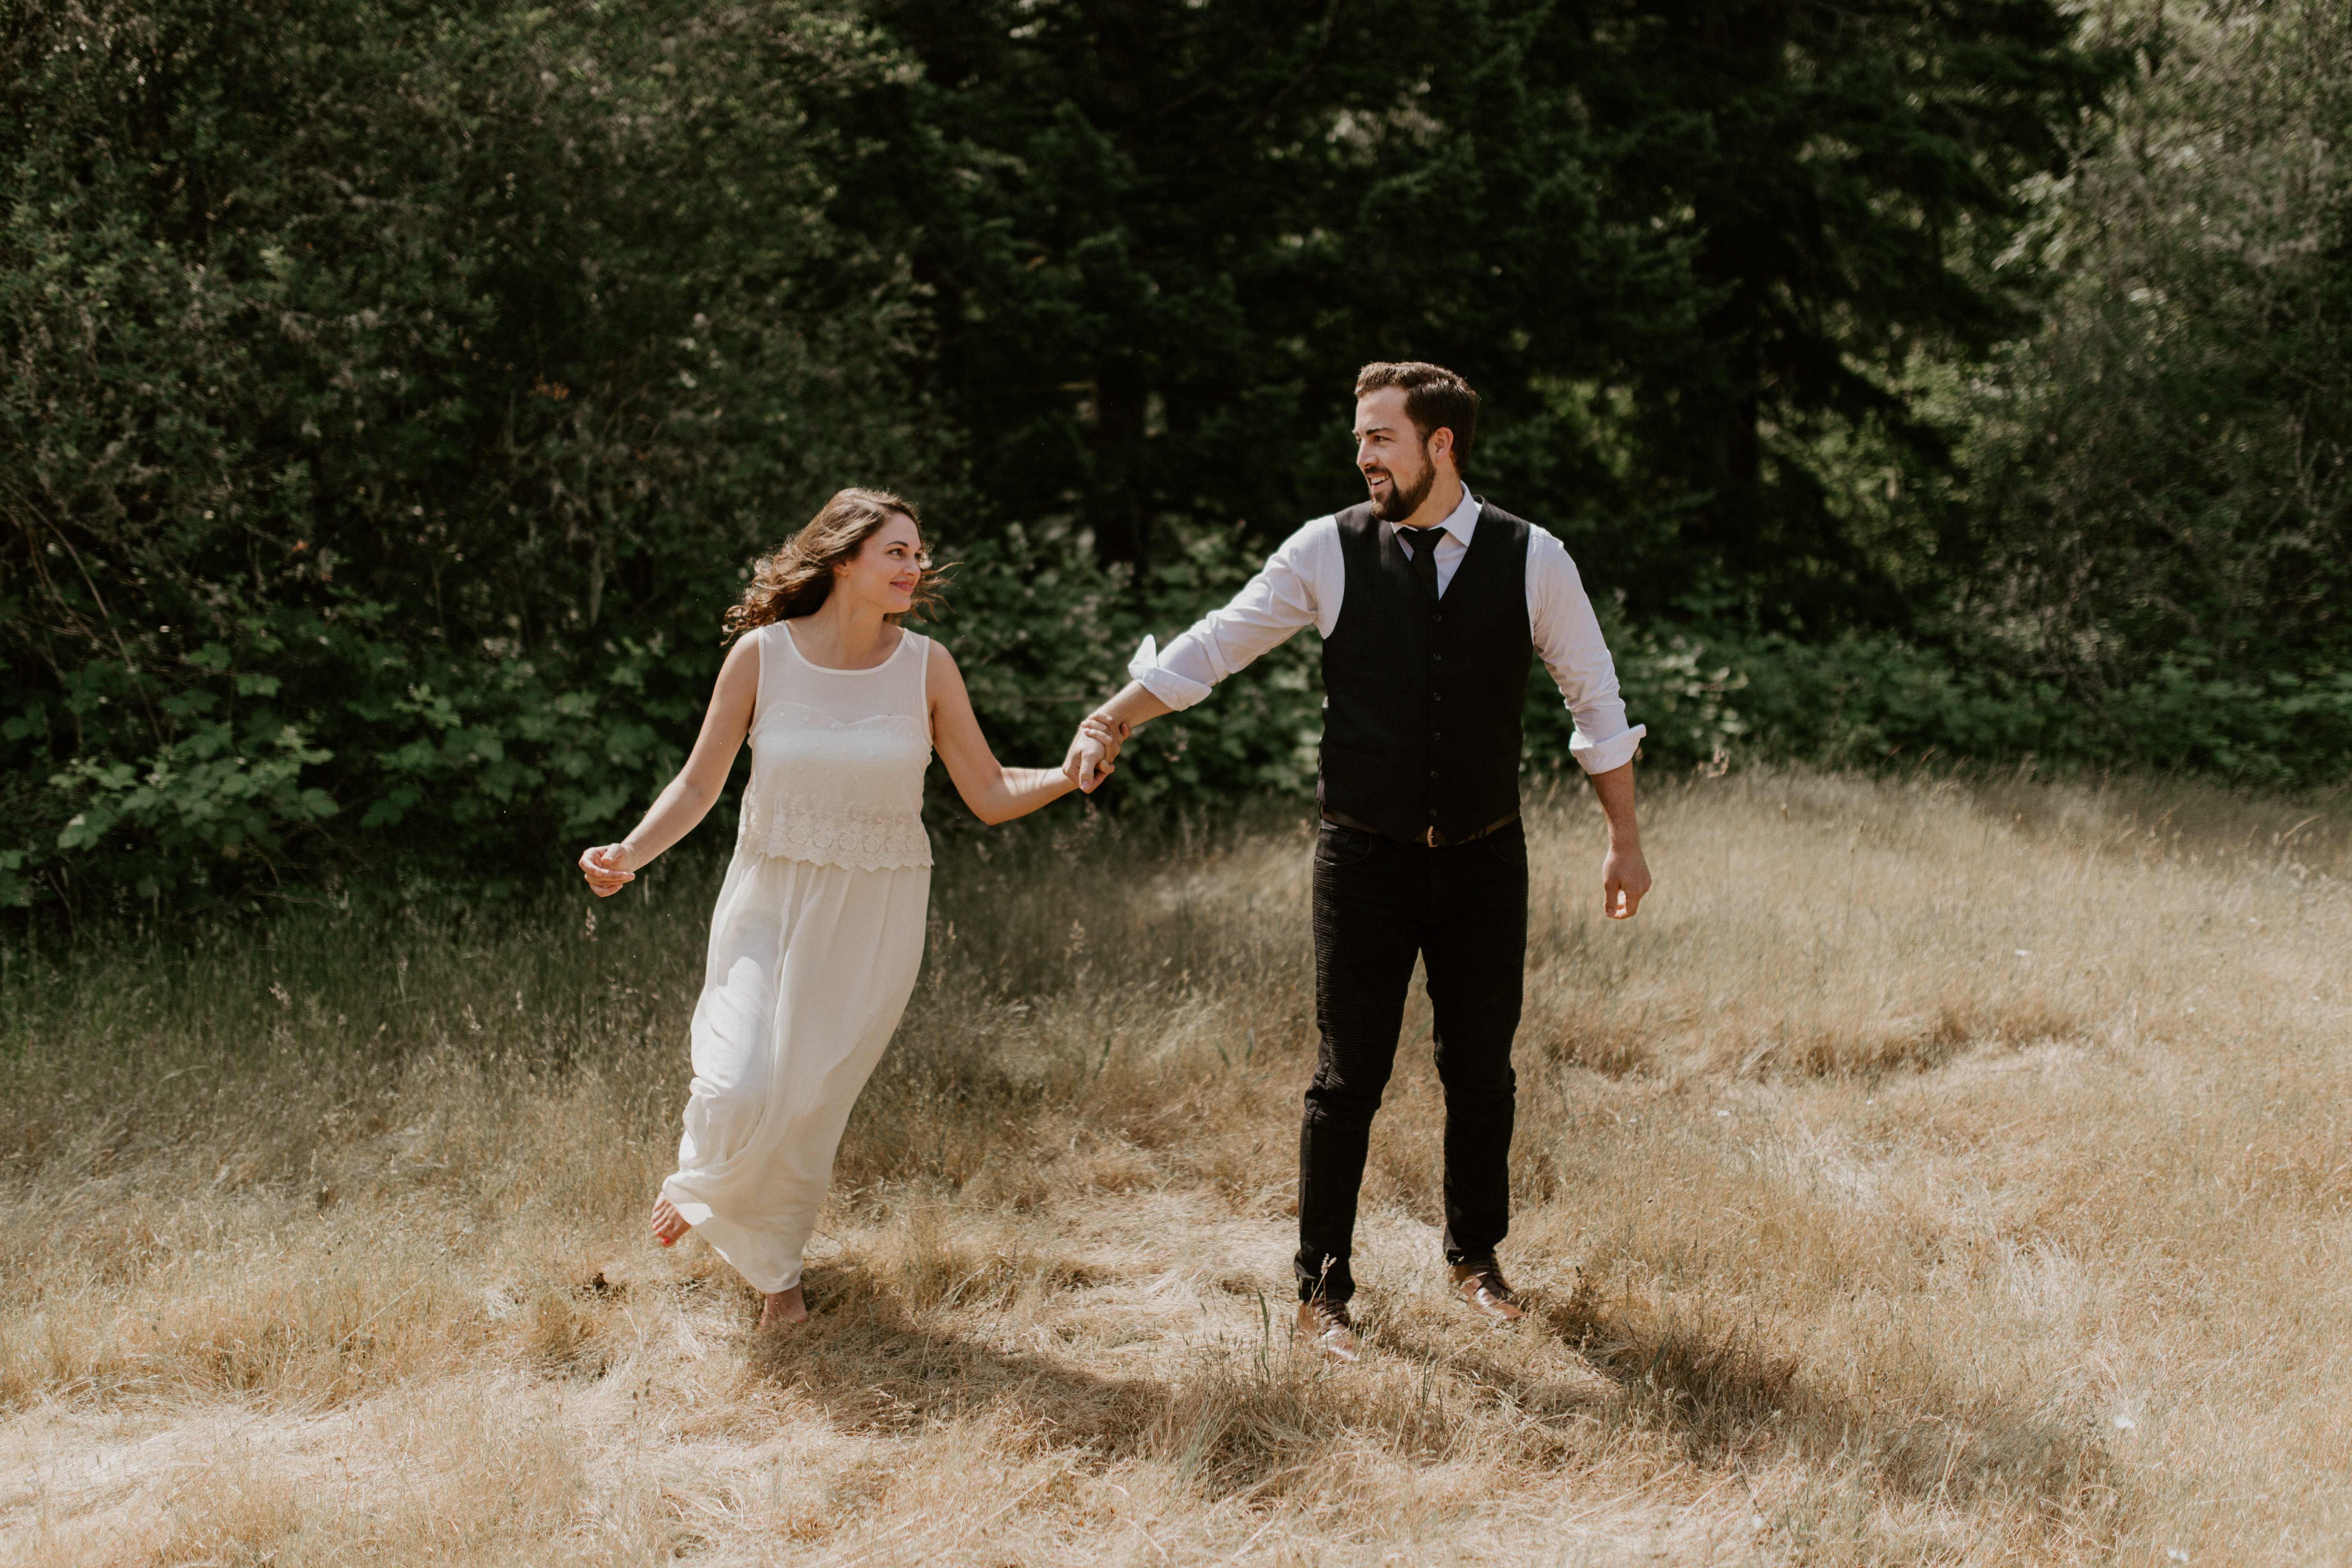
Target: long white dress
[{"x": 813, "y": 947}]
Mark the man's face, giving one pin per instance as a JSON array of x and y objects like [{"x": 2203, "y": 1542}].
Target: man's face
[{"x": 1393, "y": 459}]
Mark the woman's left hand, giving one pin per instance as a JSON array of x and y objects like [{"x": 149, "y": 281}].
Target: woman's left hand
[{"x": 606, "y": 867}]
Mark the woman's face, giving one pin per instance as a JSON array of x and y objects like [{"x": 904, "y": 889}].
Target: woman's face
[{"x": 886, "y": 569}]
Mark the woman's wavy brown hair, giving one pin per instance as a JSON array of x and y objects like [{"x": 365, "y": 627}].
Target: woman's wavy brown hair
[{"x": 798, "y": 576}]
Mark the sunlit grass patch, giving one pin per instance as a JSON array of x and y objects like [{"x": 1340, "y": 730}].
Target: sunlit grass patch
[{"x": 1935, "y": 1172}]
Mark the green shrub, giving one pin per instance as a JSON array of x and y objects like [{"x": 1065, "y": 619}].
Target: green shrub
[{"x": 1874, "y": 699}]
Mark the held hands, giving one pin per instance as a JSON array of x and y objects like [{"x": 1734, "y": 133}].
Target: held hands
[
  {"x": 1624, "y": 880},
  {"x": 606, "y": 867},
  {"x": 1093, "y": 749}
]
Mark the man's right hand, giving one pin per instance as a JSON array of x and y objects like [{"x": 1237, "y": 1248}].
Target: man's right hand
[{"x": 1093, "y": 750}]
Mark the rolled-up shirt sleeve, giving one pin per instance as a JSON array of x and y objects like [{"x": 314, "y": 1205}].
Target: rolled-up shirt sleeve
[
  {"x": 1567, "y": 639},
  {"x": 1271, "y": 609}
]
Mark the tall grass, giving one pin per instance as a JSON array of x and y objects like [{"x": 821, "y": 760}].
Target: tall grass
[{"x": 1935, "y": 1172}]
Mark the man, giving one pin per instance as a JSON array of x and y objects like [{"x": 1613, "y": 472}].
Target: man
[{"x": 1429, "y": 602}]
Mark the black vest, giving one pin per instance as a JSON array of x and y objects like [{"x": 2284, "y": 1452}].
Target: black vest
[{"x": 1422, "y": 700}]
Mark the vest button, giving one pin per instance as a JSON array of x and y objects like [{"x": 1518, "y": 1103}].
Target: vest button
[
  {"x": 1437, "y": 656},
  {"x": 1432, "y": 775}
]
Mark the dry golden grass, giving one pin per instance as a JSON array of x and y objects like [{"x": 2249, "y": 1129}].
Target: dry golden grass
[{"x": 1958, "y": 1172}]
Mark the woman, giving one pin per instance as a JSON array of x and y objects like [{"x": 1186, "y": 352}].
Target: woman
[{"x": 819, "y": 928}]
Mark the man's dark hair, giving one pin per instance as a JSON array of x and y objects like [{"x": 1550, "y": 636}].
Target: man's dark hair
[{"x": 1434, "y": 398}]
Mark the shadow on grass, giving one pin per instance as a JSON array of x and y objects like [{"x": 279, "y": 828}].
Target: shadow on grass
[
  {"x": 1256, "y": 1418},
  {"x": 1729, "y": 1394},
  {"x": 874, "y": 1365},
  {"x": 1252, "y": 1418}
]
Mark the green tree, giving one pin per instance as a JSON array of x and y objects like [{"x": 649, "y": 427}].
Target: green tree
[
  {"x": 2167, "y": 469},
  {"x": 1168, "y": 234},
  {"x": 1674, "y": 242},
  {"x": 394, "y": 391},
  {"x": 1845, "y": 176}
]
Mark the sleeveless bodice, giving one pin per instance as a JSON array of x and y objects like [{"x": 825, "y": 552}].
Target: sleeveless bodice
[{"x": 838, "y": 758}]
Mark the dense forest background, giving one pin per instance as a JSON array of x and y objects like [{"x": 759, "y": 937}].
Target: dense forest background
[{"x": 396, "y": 392}]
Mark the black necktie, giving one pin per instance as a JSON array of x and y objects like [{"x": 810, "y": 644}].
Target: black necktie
[{"x": 1423, "y": 544}]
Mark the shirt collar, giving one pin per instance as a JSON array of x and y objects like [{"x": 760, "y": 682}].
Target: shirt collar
[
  {"x": 1464, "y": 518},
  {"x": 1460, "y": 522}
]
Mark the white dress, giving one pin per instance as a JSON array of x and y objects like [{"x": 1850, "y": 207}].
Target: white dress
[{"x": 813, "y": 947}]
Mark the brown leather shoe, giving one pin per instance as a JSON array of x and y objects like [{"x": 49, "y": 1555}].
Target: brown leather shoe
[
  {"x": 1326, "y": 1324},
  {"x": 1481, "y": 1285}
]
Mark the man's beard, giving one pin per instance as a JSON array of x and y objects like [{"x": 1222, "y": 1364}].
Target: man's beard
[{"x": 1402, "y": 502}]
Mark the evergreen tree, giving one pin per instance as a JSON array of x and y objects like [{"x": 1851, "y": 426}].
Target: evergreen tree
[{"x": 1673, "y": 242}]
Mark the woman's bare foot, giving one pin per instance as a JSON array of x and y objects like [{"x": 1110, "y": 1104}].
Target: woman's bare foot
[
  {"x": 669, "y": 1223},
  {"x": 783, "y": 1308}
]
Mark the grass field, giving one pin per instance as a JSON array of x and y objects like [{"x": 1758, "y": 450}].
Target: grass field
[{"x": 1934, "y": 1173}]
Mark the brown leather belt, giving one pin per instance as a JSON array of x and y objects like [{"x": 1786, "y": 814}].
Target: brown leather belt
[{"x": 1432, "y": 840}]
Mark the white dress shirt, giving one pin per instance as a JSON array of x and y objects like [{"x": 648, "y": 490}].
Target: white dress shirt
[{"x": 1302, "y": 584}]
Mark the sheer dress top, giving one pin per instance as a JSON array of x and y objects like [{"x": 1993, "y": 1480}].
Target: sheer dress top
[{"x": 838, "y": 758}]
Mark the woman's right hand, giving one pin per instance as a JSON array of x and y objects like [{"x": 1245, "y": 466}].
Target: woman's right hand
[{"x": 606, "y": 867}]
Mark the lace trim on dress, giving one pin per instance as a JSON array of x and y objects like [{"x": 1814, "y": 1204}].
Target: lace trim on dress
[{"x": 860, "y": 840}]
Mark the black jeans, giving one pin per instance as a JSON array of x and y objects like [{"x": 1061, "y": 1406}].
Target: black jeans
[{"x": 1378, "y": 903}]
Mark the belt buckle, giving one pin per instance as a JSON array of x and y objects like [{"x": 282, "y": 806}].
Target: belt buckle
[{"x": 1430, "y": 838}]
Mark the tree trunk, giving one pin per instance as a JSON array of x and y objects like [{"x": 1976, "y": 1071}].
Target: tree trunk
[{"x": 1118, "y": 509}]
